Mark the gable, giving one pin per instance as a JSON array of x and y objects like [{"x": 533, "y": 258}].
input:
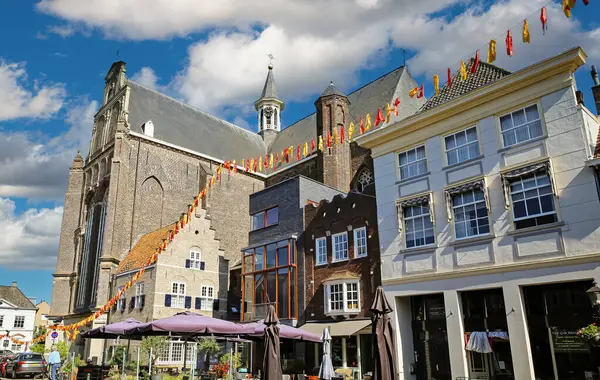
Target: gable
[{"x": 5, "y": 304}]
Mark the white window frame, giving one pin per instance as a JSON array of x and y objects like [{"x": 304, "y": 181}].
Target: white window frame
[
  {"x": 177, "y": 296},
  {"x": 528, "y": 124},
  {"x": 335, "y": 244},
  {"x": 415, "y": 162},
  {"x": 1, "y": 320},
  {"x": 360, "y": 242},
  {"x": 207, "y": 296},
  {"x": 15, "y": 347},
  {"x": 121, "y": 301},
  {"x": 19, "y": 319},
  {"x": 195, "y": 259},
  {"x": 538, "y": 196},
  {"x": 473, "y": 203},
  {"x": 344, "y": 298},
  {"x": 457, "y": 148},
  {"x": 321, "y": 251},
  {"x": 405, "y": 218},
  {"x": 139, "y": 293}
]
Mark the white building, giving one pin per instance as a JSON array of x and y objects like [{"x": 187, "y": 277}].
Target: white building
[
  {"x": 489, "y": 221},
  {"x": 17, "y": 318}
]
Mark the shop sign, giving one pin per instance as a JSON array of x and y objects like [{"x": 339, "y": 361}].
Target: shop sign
[{"x": 566, "y": 340}]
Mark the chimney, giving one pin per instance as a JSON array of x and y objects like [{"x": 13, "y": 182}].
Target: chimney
[
  {"x": 596, "y": 89},
  {"x": 579, "y": 97},
  {"x": 14, "y": 284}
]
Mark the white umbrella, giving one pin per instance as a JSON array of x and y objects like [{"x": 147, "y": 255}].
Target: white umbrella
[{"x": 326, "y": 371}]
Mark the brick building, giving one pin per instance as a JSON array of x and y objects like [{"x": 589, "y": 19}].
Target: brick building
[
  {"x": 150, "y": 155},
  {"x": 342, "y": 272}
]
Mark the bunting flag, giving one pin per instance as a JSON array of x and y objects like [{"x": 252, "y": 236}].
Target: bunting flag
[
  {"x": 586, "y": 2},
  {"x": 475, "y": 63},
  {"x": 277, "y": 157},
  {"x": 526, "y": 36},
  {"x": 342, "y": 137},
  {"x": 413, "y": 92},
  {"x": 509, "y": 44},
  {"x": 350, "y": 132},
  {"x": 388, "y": 113},
  {"x": 449, "y": 78},
  {"x": 271, "y": 161},
  {"x": 566, "y": 8},
  {"x": 298, "y": 156},
  {"x": 255, "y": 166},
  {"x": 219, "y": 172},
  {"x": 362, "y": 126},
  {"x": 463, "y": 71},
  {"x": 492, "y": 51},
  {"x": 321, "y": 143},
  {"x": 379, "y": 118},
  {"x": 266, "y": 162},
  {"x": 436, "y": 84},
  {"x": 368, "y": 122},
  {"x": 305, "y": 150},
  {"x": 421, "y": 92},
  {"x": 286, "y": 155},
  {"x": 260, "y": 164},
  {"x": 235, "y": 169},
  {"x": 544, "y": 20},
  {"x": 328, "y": 141},
  {"x": 334, "y": 136},
  {"x": 312, "y": 146},
  {"x": 396, "y": 104}
]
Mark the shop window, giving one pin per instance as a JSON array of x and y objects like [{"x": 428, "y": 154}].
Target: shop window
[
  {"x": 412, "y": 163},
  {"x": 265, "y": 218},
  {"x": 462, "y": 146}
]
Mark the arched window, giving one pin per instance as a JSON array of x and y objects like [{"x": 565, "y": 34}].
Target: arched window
[
  {"x": 364, "y": 179},
  {"x": 275, "y": 122}
]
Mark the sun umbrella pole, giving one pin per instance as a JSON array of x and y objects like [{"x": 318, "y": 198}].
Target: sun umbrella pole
[
  {"x": 150, "y": 362},
  {"x": 137, "y": 371},
  {"x": 230, "y": 363},
  {"x": 123, "y": 366}
]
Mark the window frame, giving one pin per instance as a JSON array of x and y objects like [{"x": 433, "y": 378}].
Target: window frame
[
  {"x": 521, "y": 108},
  {"x": 404, "y": 218},
  {"x": 266, "y": 223},
  {"x": 555, "y": 212},
  {"x": 344, "y": 284},
  {"x": 21, "y": 319},
  {"x": 356, "y": 239},
  {"x": 121, "y": 302},
  {"x": 467, "y": 144},
  {"x": 195, "y": 262},
  {"x": 317, "y": 250},
  {"x": 175, "y": 297},
  {"x": 139, "y": 294},
  {"x": 405, "y": 151},
  {"x": 1, "y": 320},
  {"x": 209, "y": 299},
  {"x": 473, "y": 203},
  {"x": 334, "y": 258}
]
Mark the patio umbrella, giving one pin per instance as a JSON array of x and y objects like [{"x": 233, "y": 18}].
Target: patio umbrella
[
  {"x": 384, "y": 355},
  {"x": 113, "y": 330},
  {"x": 190, "y": 324},
  {"x": 326, "y": 371},
  {"x": 285, "y": 332},
  {"x": 272, "y": 359}
]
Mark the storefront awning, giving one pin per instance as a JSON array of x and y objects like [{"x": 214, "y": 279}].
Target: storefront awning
[{"x": 341, "y": 328}]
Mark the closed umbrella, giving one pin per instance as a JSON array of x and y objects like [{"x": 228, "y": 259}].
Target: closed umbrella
[
  {"x": 383, "y": 335},
  {"x": 326, "y": 371},
  {"x": 272, "y": 359}
]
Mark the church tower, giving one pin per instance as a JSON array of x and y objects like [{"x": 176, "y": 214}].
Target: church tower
[{"x": 269, "y": 108}]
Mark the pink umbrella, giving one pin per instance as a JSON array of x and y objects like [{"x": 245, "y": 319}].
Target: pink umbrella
[
  {"x": 191, "y": 324},
  {"x": 285, "y": 332}
]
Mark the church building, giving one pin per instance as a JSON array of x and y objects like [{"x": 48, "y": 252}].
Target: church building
[{"x": 149, "y": 156}]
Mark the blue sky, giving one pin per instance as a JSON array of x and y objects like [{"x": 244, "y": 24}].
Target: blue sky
[{"x": 212, "y": 55}]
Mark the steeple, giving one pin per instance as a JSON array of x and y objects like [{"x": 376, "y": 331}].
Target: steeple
[
  {"x": 332, "y": 90},
  {"x": 269, "y": 108}
]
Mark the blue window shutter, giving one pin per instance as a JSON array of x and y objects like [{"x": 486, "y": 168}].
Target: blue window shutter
[
  {"x": 167, "y": 300},
  {"x": 202, "y": 265},
  {"x": 216, "y": 304},
  {"x": 188, "y": 302},
  {"x": 197, "y": 303},
  {"x": 187, "y": 263}
]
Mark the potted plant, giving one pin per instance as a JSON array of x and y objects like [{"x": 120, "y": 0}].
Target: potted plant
[
  {"x": 156, "y": 344},
  {"x": 210, "y": 347},
  {"x": 591, "y": 333}
]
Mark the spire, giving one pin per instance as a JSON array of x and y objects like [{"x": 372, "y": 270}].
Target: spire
[
  {"x": 332, "y": 90},
  {"x": 269, "y": 90},
  {"x": 78, "y": 161}
]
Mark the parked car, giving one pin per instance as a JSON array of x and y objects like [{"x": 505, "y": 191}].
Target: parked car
[
  {"x": 3, "y": 362},
  {"x": 25, "y": 364}
]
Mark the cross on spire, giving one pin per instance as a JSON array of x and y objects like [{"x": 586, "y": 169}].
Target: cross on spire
[{"x": 271, "y": 58}]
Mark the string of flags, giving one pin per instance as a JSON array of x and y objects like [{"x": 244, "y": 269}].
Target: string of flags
[{"x": 321, "y": 144}]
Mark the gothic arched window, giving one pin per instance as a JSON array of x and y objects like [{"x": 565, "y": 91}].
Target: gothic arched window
[{"x": 364, "y": 179}]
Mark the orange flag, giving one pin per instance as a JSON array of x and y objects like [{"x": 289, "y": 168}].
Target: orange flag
[
  {"x": 509, "y": 44},
  {"x": 396, "y": 104},
  {"x": 342, "y": 134},
  {"x": 544, "y": 20},
  {"x": 475, "y": 63},
  {"x": 379, "y": 118},
  {"x": 526, "y": 36},
  {"x": 362, "y": 126}
]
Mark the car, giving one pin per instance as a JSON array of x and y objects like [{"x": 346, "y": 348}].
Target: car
[{"x": 25, "y": 364}]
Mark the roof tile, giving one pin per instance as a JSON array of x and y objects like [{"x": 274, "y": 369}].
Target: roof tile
[{"x": 145, "y": 247}]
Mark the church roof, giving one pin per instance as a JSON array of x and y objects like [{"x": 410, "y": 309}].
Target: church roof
[
  {"x": 182, "y": 125},
  {"x": 144, "y": 248},
  {"x": 484, "y": 75},
  {"x": 366, "y": 99},
  {"x": 15, "y": 296},
  {"x": 332, "y": 90},
  {"x": 269, "y": 90}
]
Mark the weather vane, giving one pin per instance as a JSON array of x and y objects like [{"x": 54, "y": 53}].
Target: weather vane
[{"x": 271, "y": 58}]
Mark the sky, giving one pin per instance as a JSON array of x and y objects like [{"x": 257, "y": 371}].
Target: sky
[{"x": 54, "y": 55}]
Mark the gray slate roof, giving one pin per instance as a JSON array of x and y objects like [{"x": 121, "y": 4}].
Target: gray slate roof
[
  {"x": 332, "y": 90},
  {"x": 15, "y": 296},
  {"x": 182, "y": 125},
  {"x": 366, "y": 99},
  {"x": 484, "y": 75},
  {"x": 269, "y": 90}
]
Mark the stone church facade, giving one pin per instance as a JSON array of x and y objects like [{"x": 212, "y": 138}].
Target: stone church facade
[{"x": 150, "y": 155}]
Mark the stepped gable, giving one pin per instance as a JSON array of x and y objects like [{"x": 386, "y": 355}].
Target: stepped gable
[
  {"x": 145, "y": 247},
  {"x": 485, "y": 74},
  {"x": 182, "y": 125}
]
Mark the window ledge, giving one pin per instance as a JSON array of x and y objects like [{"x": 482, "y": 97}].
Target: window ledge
[
  {"x": 472, "y": 241},
  {"x": 521, "y": 144},
  {"x": 338, "y": 261},
  {"x": 360, "y": 257},
  {"x": 321, "y": 264},
  {"x": 342, "y": 313},
  {"x": 542, "y": 228},
  {"x": 412, "y": 179},
  {"x": 465, "y": 163},
  {"x": 423, "y": 248}
]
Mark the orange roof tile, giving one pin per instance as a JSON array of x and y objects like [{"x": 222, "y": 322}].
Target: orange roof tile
[{"x": 138, "y": 256}]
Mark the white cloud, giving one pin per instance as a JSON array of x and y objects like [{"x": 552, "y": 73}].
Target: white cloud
[
  {"x": 147, "y": 77},
  {"x": 29, "y": 240},
  {"x": 36, "y": 166},
  {"x": 16, "y": 101}
]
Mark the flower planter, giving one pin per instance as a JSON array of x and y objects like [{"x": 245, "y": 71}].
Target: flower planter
[{"x": 595, "y": 340}]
